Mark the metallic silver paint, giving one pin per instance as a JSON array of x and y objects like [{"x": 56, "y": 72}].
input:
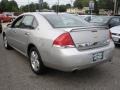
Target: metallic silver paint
[{"x": 65, "y": 59}]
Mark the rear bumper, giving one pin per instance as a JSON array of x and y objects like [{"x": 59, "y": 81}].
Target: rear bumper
[{"x": 71, "y": 59}]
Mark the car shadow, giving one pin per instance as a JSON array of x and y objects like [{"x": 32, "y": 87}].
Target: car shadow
[
  {"x": 60, "y": 78},
  {"x": 117, "y": 46},
  {"x": 91, "y": 73}
]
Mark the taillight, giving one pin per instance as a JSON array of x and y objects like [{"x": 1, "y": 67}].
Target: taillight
[
  {"x": 64, "y": 40},
  {"x": 110, "y": 34}
]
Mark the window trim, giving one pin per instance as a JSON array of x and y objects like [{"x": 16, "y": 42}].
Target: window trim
[
  {"x": 23, "y": 16},
  {"x": 31, "y": 23},
  {"x": 16, "y": 21},
  {"x": 53, "y": 26},
  {"x": 33, "y": 20},
  {"x": 36, "y": 22}
]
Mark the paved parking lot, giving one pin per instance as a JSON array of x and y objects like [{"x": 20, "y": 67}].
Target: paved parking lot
[{"x": 15, "y": 74}]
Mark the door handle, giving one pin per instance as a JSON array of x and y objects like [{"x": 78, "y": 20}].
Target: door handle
[{"x": 27, "y": 33}]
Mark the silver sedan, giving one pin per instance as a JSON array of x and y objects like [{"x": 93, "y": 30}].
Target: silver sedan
[{"x": 59, "y": 41}]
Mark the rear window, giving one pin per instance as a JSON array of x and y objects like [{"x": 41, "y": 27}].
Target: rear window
[{"x": 64, "y": 20}]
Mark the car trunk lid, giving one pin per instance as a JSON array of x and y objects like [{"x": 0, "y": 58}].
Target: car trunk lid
[{"x": 90, "y": 37}]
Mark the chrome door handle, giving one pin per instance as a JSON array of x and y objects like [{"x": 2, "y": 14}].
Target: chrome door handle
[{"x": 27, "y": 33}]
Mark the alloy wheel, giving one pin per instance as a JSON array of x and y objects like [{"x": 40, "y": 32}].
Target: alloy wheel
[{"x": 34, "y": 58}]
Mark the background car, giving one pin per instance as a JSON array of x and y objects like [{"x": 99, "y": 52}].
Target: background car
[
  {"x": 60, "y": 41},
  {"x": 86, "y": 17},
  {"x": 109, "y": 21},
  {"x": 116, "y": 34},
  {"x": 5, "y": 18}
]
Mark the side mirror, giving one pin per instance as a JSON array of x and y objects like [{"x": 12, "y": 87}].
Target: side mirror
[{"x": 9, "y": 25}]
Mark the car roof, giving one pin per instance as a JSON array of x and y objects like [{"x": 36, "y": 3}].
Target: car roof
[
  {"x": 40, "y": 13},
  {"x": 43, "y": 13}
]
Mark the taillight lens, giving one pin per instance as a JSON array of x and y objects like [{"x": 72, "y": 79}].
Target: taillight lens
[
  {"x": 64, "y": 40},
  {"x": 110, "y": 34}
]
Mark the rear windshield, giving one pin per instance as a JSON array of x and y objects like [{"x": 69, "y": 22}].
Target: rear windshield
[{"x": 64, "y": 20}]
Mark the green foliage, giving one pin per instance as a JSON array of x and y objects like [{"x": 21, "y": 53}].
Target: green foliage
[
  {"x": 106, "y": 4},
  {"x": 13, "y": 7},
  {"x": 33, "y": 7},
  {"x": 68, "y": 6},
  {"x": 85, "y": 3},
  {"x": 96, "y": 9},
  {"x": 62, "y": 8},
  {"x": 45, "y": 5},
  {"x": 8, "y": 6},
  {"x": 78, "y": 4}
]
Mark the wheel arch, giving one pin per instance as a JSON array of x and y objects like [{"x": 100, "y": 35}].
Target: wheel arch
[{"x": 31, "y": 45}]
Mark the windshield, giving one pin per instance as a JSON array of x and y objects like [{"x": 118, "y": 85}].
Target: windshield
[
  {"x": 64, "y": 20},
  {"x": 100, "y": 19}
]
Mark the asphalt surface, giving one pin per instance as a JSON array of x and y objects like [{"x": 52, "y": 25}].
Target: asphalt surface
[{"x": 15, "y": 74}]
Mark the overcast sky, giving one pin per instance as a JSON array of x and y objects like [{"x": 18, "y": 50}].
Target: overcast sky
[{"x": 50, "y": 2}]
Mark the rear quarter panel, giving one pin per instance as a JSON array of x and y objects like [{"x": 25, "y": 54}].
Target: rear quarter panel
[{"x": 43, "y": 38}]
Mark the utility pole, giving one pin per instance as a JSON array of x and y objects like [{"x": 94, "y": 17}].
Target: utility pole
[
  {"x": 40, "y": 4},
  {"x": 91, "y": 6},
  {"x": 115, "y": 6},
  {"x": 71, "y": 6},
  {"x": 58, "y": 6}
]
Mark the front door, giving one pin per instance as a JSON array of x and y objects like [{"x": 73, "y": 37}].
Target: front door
[
  {"x": 13, "y": 31},
  {"x": 23, "y": 33}
]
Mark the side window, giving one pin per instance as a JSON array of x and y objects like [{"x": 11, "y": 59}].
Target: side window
[
  {"x": 35, "y": 24},
  {"x": 27, "y": 22},
  {"x": 114, "y": 20},
  {"x": 17, "y": 22}
]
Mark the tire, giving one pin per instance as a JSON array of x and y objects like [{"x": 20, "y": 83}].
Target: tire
[
  {"x": 117, "y": 45},
  {"x": 36, "y": 63},
  {"x": 6, "y": 45},
  {"x": 0, "y": 31}
]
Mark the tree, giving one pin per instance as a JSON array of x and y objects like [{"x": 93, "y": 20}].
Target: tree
[
  {"x": 13, "y": 6},
  {"x": 85, "y": 3},
  {"x": 78, "y": 4},
  {"x": 45, "y": 5},
  {"x": 68, "y": 6},
  {"x": 62, "y": 8},
  {"x": 33, "y": 7},
  {"x": 55, "y": 8},
  {"x": 9, "y": 6},
  {"x": 106, "y": 4},
  {"x": 96, "y": 9},
  {"x": 4, "y": 5}
]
